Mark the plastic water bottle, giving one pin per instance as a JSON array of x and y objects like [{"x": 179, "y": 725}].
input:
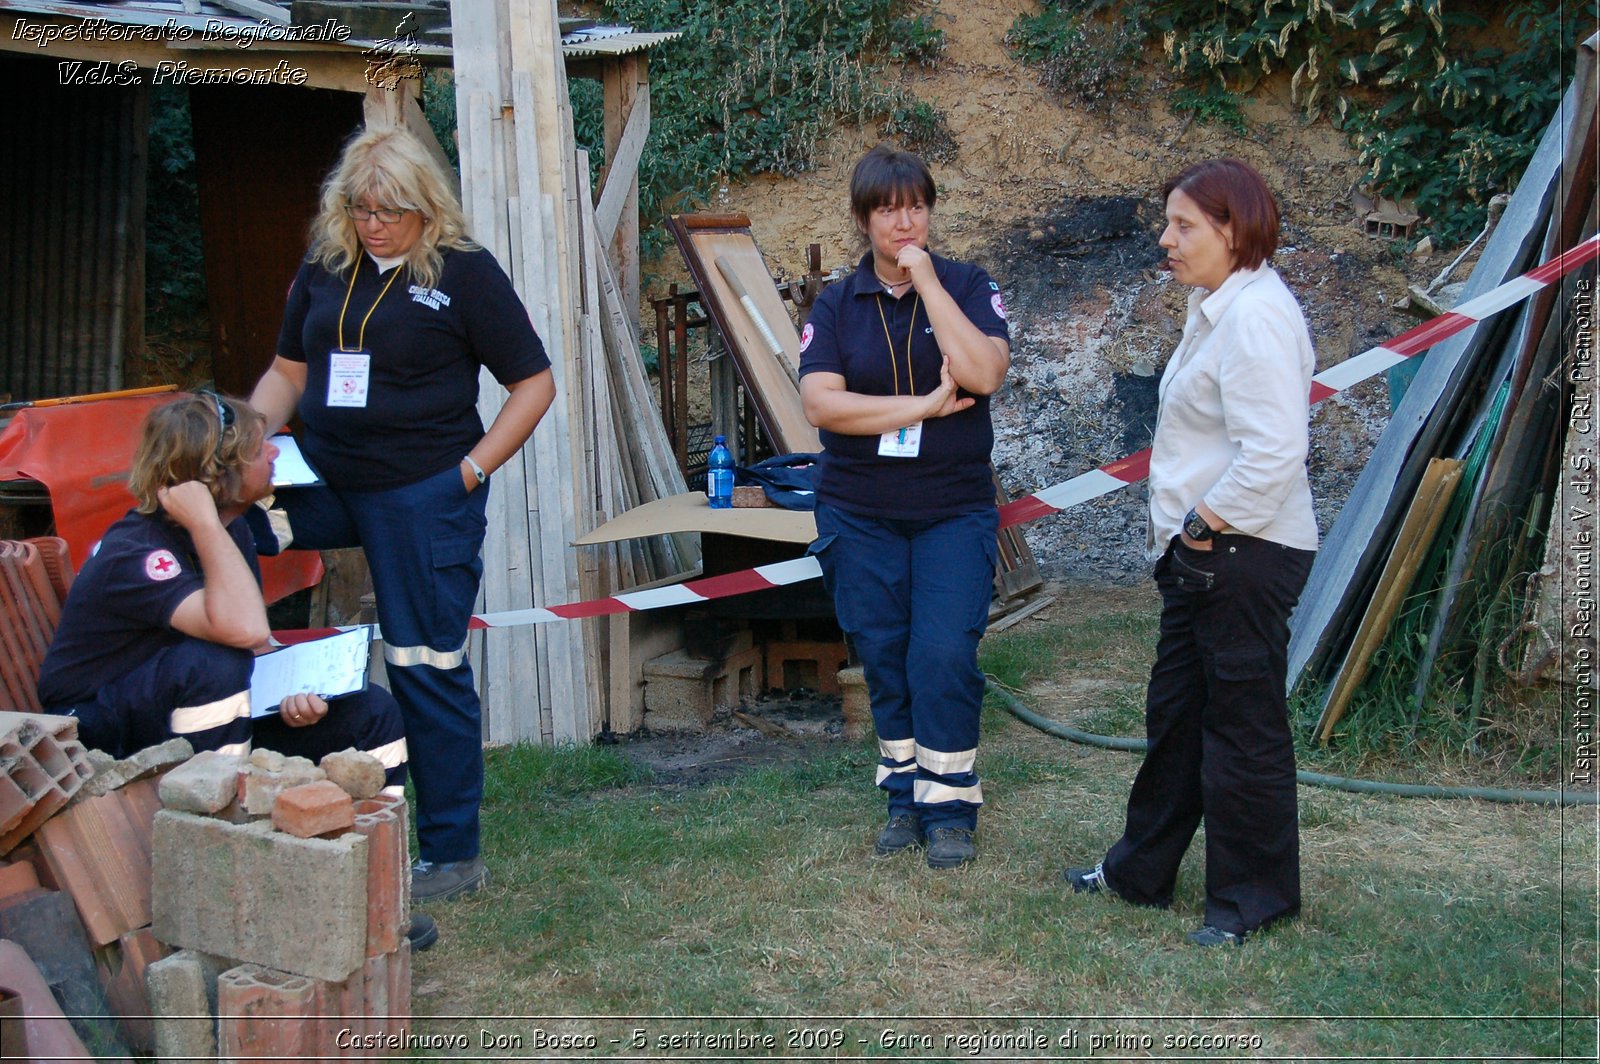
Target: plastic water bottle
[{"x": 719, "y": 475}]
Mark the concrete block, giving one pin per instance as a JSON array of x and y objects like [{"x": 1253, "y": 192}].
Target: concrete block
[
  {"x": 683, "y": 693},
  {"x": 206, "y": 783},
  {"x": 123, "y": 966},
  {"x": 183, "y": 1004},
  {"x": 857, "y": 703},
  {"x": 358, "y": 772},
  {"x": 264, "y": 1014},
  {"x": 98, "y": 849},
  {"x": 268, "y": 774},
  {"x": 383, "y": 821},
  {"x": 313, "y": 809},
  {"x": 110, "y": 774},
  {"x": 244, "y": 890}
]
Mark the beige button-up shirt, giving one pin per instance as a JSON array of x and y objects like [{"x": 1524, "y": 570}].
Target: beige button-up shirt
[{"x": 1232, "y": 427}]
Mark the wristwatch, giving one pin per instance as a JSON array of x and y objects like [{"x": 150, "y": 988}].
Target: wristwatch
[
  {"x": 477, "y": 470},
  {"x": 1195, "y": 527}
]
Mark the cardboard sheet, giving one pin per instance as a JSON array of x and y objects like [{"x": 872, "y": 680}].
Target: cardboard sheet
[{"x": 689, "y": 512}]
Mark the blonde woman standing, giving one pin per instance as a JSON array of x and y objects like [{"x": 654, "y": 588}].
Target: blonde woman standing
[{"x": 388, "y": 322}]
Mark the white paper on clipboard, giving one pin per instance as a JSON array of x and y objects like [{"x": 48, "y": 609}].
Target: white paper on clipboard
[
  {"x": 329, "y": 667},
  {"x": 290, "y": 469}
]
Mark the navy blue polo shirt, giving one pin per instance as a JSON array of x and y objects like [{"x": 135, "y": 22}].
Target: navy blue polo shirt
[
  {"x": 846, "y": 335},
  {"x": 426, "y": 344},
  {"x": 119, "y": 610}
]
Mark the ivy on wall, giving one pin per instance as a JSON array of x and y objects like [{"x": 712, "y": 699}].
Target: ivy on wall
[
  {"x": 1444, "y": 106},
  {"x": 752, "y": 86}
]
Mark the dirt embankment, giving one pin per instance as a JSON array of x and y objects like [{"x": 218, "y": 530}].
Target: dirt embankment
[{"x": 1058, "y": 203}]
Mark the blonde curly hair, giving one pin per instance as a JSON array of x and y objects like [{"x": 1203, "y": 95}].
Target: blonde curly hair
[
  {"x": 392, "y": 167},
  {"x": 188, "y": 439}
]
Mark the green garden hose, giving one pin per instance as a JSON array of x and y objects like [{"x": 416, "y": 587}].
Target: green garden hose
[{"x": 1315, "y": 779}]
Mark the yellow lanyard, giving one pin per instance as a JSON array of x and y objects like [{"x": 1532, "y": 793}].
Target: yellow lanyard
[
  {"x": 361, "y": 336},
  {"x": 894, "y": 363}
]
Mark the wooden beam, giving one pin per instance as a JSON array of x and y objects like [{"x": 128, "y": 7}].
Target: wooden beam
[
  {"x": 620, "y": 183},
  {"x": 627, "y": 117}
]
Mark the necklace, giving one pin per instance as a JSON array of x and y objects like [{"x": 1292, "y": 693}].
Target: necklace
[{"x": 888, "y": 284}]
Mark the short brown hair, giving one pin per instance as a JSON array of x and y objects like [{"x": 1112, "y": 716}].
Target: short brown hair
[
  {"x": 186, "y": 440},
  {"x": 1230, "y": 191},
  {"x": 886, "y": 177}
]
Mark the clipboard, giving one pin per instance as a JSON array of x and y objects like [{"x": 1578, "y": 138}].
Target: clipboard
[
  {"x": 329, "y": 667},
  {"x": 290, "y": 469}
]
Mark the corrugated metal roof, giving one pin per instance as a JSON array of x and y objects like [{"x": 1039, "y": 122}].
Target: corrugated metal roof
[{"x": 617, "y": 44}]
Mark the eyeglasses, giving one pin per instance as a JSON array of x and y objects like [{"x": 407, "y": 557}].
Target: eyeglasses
[{"x": 386, "y": 215}]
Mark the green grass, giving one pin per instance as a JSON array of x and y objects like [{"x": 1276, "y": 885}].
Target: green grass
[{"x": 623, "y": 906}]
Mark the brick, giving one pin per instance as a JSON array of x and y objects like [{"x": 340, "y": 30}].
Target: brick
[
  {"x": 182, "y": 990},
  {"x": 49, "y": 769},
  {"x": 52, "y": 724},
  {"x": 383, "y": 821},
  {"x": 358, "y": 772},
  {"x": 110, "y": 774},
  {"x": 45, "y": 924},
  {"x": 313, "y": 809},
  {"x": 206, "y": 783},
  {"x": 857, "y": 703},
  {"x": 268, "y": 774},
  {"x": 339, "y": 1010},
  {"x": 375, "y": 1003},
  {"x": 264, "y": 1014},
  {"x": 244, "y": 890},
  {"x": 399, "y": 1017},
  {"x": 99, "y": 851},
  {"x": 682, "y": 693},
  {"x": 808, "y": 663},
  {"x": 16, "y": 877},
  {"x": 123, "y": 966}
]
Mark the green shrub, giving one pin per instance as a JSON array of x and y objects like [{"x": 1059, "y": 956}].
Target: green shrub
[{"x": 1445, "y": 107}]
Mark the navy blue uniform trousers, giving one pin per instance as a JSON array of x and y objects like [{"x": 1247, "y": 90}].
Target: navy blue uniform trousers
[
  {"x": 200, "y": 691},
  {"x": 422, "y": 544},
  {"x": 913, "y": 597},
  {"x": 1218, "y": 727}
]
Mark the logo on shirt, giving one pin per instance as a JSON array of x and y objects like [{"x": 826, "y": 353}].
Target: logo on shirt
[
  {"x": 428, "y": 297},
  {"x": 161, "y": 565},
  {"x": 805, "y": 337},
  {"x": 999, "y": 304}
]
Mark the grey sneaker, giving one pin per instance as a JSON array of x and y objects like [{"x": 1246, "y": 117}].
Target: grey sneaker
[
  {"x": 950, "y": 847},
  {"x": 432, "y": 881},
  {"x": 902, "y": 831},
  {"x": 1088, "y": 880},
  {"x": 1215, "y": 936}
]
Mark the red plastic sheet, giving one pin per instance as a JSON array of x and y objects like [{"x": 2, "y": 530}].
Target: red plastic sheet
[{"x": 81, "y": 452}]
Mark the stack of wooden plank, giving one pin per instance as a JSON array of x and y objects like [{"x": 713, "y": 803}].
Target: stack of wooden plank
[
  {"x": 1498, "y": 406},
  {"x": 601, "y": 449}
]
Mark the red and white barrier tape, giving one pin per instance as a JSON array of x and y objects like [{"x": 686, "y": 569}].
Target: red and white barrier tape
[{"x": 1093, "y": 484}]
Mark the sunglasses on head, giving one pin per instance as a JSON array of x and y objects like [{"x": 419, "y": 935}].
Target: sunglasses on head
[{"x": 225, "y": 415}]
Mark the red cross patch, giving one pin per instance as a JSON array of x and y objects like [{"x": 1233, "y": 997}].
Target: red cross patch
[{"x": 161, "y": 565}]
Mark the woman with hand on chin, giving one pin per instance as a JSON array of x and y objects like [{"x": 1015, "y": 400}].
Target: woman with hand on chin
[
  {"x": 1232, "y": 528},
  {"x": 388, "y": 323},
  {"x": 897, "y": 365}
]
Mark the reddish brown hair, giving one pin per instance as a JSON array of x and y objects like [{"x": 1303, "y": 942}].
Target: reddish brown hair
[{"x": 1230, "y": 191}]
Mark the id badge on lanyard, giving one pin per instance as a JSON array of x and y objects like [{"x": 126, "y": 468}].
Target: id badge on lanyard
[
  {"x": 349, "y": 376},
  {"x": 901, "y": 443}
]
